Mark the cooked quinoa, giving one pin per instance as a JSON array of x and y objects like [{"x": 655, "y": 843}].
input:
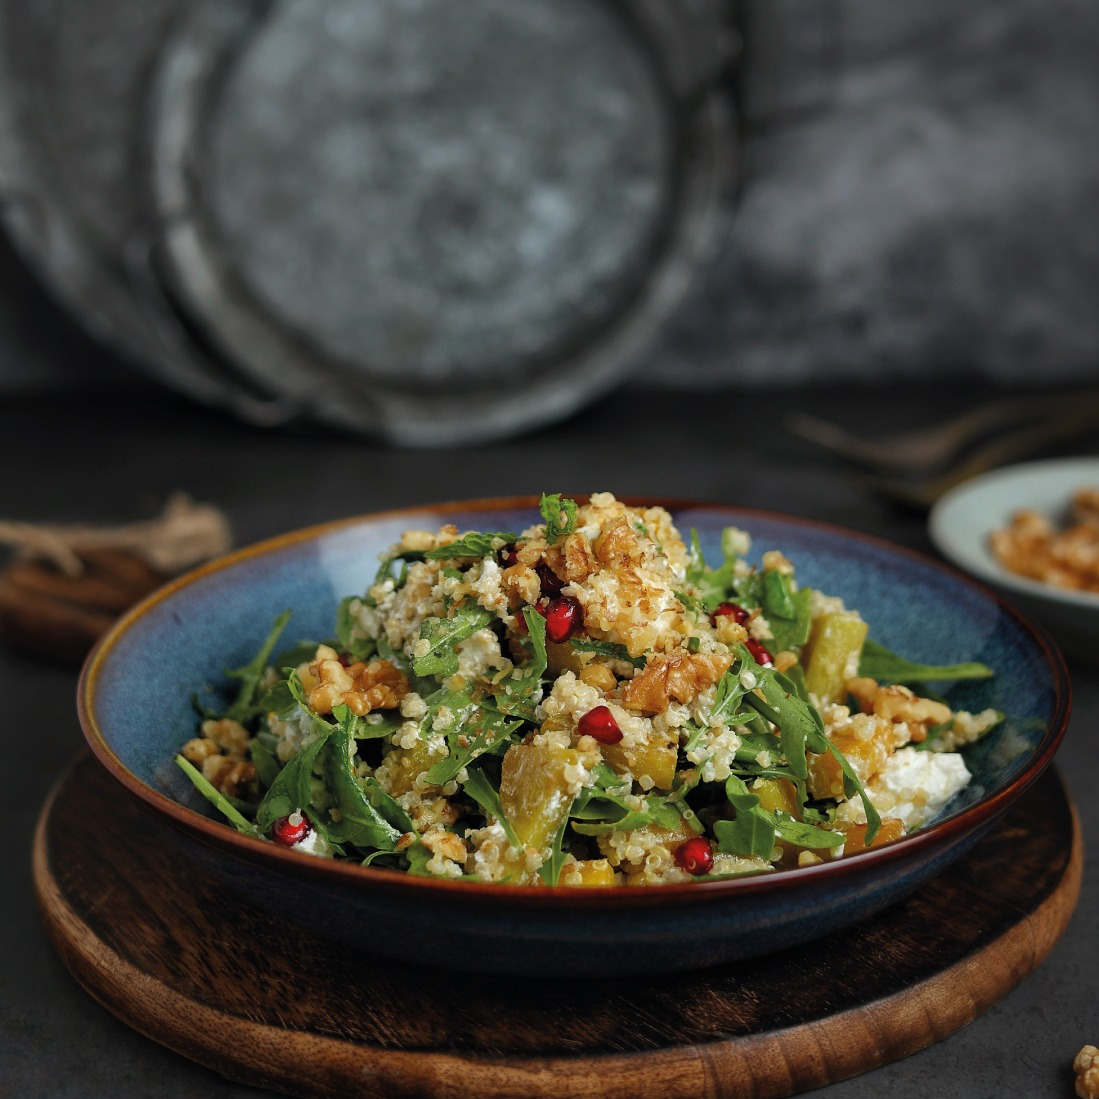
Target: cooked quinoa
[{"x": 584, "y": 702}]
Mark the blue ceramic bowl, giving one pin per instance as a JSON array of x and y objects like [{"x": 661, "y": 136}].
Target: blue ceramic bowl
[{"x": 135, "y": 704}]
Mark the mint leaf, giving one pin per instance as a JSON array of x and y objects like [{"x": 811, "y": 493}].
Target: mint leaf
[
  {"x": 474, "y": 544},
  {"x": 559, "y": 514}
]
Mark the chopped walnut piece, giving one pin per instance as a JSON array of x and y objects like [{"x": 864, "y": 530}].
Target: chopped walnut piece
[
  {"x": 618, "y": 544},
  {"x": 1086, "y": 1067},
  {"x": 897, "y": 703},
  {"x": 229, "y": 735},
  {"x": 447, "y": 844},
  {"x": 233, "y": 777},
  {"x": 522, "y": 584},
  {"x": 599, "y": 676},
  {"x": 379, "y": 685},
  {"x": 199, "y": 749},
  {"x": 682, "y": 676},
  {"x": 579, "y": 560}
]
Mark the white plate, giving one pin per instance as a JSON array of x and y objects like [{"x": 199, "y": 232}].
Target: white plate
[{"x": 963, "y": 519}]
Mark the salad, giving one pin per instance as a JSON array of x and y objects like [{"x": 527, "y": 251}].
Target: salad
[{"x": 584, "y": 702}]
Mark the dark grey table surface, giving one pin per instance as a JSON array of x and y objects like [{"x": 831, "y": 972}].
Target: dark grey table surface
[{"x": 117, "y": 457}]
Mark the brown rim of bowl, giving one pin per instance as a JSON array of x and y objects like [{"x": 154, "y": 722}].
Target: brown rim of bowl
[{"x": 220, "y": 835}]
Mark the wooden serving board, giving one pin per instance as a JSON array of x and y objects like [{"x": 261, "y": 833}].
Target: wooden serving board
[{"x": 266, "y": 1003}]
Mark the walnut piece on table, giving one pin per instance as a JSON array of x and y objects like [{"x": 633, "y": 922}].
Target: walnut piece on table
[{"x": 1086, "y": 1067}]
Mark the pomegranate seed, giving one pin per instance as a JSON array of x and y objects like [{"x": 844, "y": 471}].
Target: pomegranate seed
[
  {"x": 734, "y": 610},
  {"x": 694, "y": 855},
  {"x": 290, "y": 830},
  {"x": 600, "y": 723},
  {"x": 551, "y": 582},
  {"x": 759, "y": 654},
  {"x": 564, "y": 617}
]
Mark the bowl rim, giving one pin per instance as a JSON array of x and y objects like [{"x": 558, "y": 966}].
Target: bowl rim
[
  {"x": 972, "y": 555},
  {"x": 935, "y": 837}
]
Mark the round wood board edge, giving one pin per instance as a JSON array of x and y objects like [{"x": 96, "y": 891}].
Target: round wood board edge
[{"x": 768, "y": 1065}]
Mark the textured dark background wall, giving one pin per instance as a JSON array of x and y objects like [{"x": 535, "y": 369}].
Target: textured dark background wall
[{"x": 933, "y": 212}]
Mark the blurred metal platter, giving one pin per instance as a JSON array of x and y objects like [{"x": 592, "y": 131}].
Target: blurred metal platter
[{"x": 425, "y": 222}]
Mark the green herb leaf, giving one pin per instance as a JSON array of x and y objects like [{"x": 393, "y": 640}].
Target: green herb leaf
[
  {"x": 885, "y": 666},
  {"x": 474, "y": 544},
  {"x": 796, "y": 719},
  {"x": 216, "y": 798},
  {"x": 251, "y": 675},
  {"x": 291, "y": 790},
  {"x": 550, "y": 870},
  {"x": 485, "y": 729},
  {"x": 559, "y": 513},
  {"x": 443, "y": 634},
  {"x": 350, "y": 640},
  {"x": 806, "y": 835},
  {"x": 360, "y": 822},
  {"x": 786, "y": 611},
  {"x": 517, "y": 694},
  {"x": 478, "y": 787},
  {"x": 265, "y": 761},
  {"x": 609, "y": 649}
]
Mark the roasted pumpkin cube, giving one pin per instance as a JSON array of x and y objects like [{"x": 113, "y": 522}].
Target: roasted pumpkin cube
[
  {"x": 835, "y": 645},
  {"x": 892, "y": 828},
  {"x": 593, "y": 872},
  {"x": 404, "y": 764},
  {"x": 535, "y": 790},
  {"x": 777, "y": 795},
  {"x": 655, "y": 757},
  {"x": 867, "y": 755}
]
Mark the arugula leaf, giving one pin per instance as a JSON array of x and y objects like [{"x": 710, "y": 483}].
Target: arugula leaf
[
  {"x": 609, "y": 649},
  {"x": 559, "y": 513},
  {"x": 301, "y": 652},
  {"x": 727, "y": 695},
  {"x": 291, "y": 790},
  {"x": 443, "y": 634},
  {"x": 251, "y": 675},
  {"x": 216, "y": 798},
  {"x": 517, "y": 696},
  {"x": 265, "y": 761},
  {"x": 474, "y": 544},
  {"x": 885, "y": 666},
  {"x": 354, "y": 644},
  {"x": 279, "y": 699},
  {"x": 550, "y": 870},
  {"x": 796, "y": 719},
  {"x": 480, "y": 788},
  {"x": 596, "y": 812},
  {"x": 786, "y": 611},
  {"x": 360, "y": 822},
  {"x": 802, "y": 834},
  {"x": 752, "y": 831},
  {"x": 489, "y": 728}
]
